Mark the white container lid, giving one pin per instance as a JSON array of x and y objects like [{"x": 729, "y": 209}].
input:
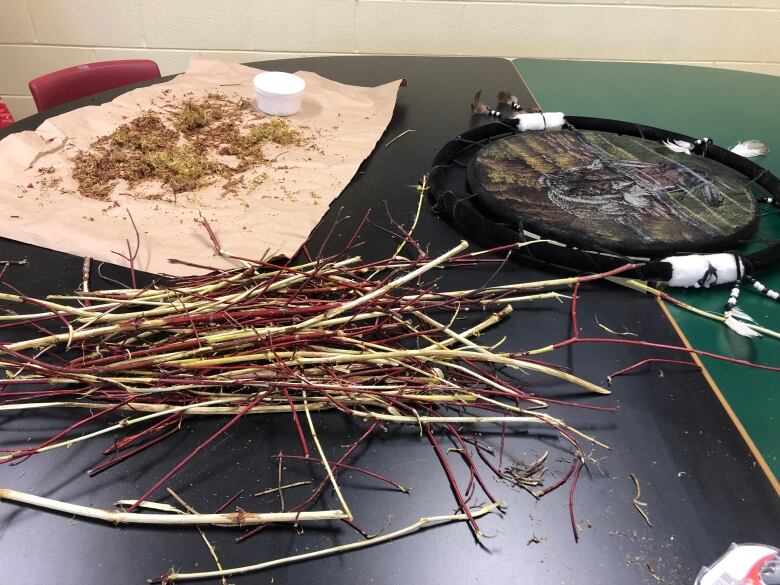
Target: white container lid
[{"x": 278, "y": 83}]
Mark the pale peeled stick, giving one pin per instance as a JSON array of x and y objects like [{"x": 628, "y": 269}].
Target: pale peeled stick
[{"x": 278, "y": 93}]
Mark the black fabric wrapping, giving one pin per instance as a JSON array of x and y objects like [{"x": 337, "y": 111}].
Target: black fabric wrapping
[{"x": 447, "y": 181}]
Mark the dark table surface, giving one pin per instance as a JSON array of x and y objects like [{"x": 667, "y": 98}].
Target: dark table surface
[{"x": 701, "y": 484}]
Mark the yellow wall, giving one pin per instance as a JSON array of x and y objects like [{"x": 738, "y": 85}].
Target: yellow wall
[{"x": 38, "y": 36}]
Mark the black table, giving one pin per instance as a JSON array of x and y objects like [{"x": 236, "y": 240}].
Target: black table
[{"x": 701, "y": 484}]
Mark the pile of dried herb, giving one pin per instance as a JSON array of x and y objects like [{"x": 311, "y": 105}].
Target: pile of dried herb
[{"x": 192, "y": 144}]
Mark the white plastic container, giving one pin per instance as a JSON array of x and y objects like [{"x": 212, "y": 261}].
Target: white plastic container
[{"x": 278, "y": 94}]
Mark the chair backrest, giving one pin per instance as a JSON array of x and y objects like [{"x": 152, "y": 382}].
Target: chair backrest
[
  {"x": 80, "y": 81},
  {"x": 6, "y": 119}
]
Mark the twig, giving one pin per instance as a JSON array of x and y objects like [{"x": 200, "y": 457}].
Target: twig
[
  {"x": 131, "y": 254},
  {"x": 625, "y": 333},
  {"x": 423, "y": 191},
  {"x": 641, "y": 363},
  {"x": 453, "y": 483},
  {"x": 638, "y": 504},
  {"x": 108, "y": 278},
  {"x": 209, "y": 546},
  {"x": 283, "y": 487},
  {"x": 579, "y": 464},
  {"x": 229, "y": 501},
  {"x": 421, "y": 523},
  {"x": 119, "y": 458},
  {"x": 325, "y": 463},
  {"x": 652, "y": 572},
  {"x": 238, "y": 518},
  {"x": 404, "y": 133},
  {"x": 212, "y": 236},
  {"x": 279, "y": 483},
  {"x": 339, "y": 465}
]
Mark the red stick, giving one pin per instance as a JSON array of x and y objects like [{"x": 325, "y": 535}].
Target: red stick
[
  {"x": 30, "y": 451},
  {"x": 335, "y": 464},
  {"x": 649, "y": 361},
  {"x": 453, "y": 482},
  {"x": 121, "y": 444},
  {"x": 198, "y": 449},
  {"x": 579, "y": 464},
  {"x": 212, "y": 236},
  {"x": 574, "y": 325},
  {"x": 127, "y": 454},
  {"x": 229, "y": 501},
  {"x": 683, "y": 349},
  {"x": 470, "y": 461},
  {"x": 297, "y": 422},
  {"x": 496, "y": 471}
]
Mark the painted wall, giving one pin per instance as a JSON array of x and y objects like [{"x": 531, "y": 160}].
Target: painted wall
[{"x": 38, "y": 36}]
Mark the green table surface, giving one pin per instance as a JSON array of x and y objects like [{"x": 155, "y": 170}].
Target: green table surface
[{"x": 727, "y": 106}]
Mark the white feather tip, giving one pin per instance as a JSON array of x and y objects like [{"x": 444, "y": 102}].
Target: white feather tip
[
  {"x": 742, "y": 315},
  {"x": 750, "y": 148},
  {"x": 740, "y": 328},
  {"x": 678, "y": 146}
]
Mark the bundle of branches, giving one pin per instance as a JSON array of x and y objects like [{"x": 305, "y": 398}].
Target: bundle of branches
[{"x": 373, "y": 340}]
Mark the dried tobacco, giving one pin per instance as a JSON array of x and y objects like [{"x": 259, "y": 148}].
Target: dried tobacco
[{"x": 191, "y": 145}]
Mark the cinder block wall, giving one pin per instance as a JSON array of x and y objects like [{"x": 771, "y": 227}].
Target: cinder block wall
[{"x": 38, "y": 36}]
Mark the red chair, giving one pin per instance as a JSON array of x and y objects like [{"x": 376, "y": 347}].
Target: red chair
[
  {"x": 81, "y": 81},
  {"x": 6, "y": 119}
]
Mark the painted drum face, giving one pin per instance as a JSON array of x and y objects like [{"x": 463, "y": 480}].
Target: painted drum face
[{"x": 616, "y": 193}]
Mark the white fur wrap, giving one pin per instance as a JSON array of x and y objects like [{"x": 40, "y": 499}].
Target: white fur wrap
[
  {"x": 705, "y": 270},
  {"x": 546, "y": 121}
]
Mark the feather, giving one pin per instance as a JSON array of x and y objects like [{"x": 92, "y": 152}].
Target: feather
[
  {"x": 477, "y": 107},
  {"x": 750, "y": 148},
  {"x": 678, "y": 146},
  {"x": 740, "y": 328},
  {"x": 742, "y": 315}
]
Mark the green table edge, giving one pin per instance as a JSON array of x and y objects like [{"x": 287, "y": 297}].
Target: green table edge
[{"x": 727, "y": 106}]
